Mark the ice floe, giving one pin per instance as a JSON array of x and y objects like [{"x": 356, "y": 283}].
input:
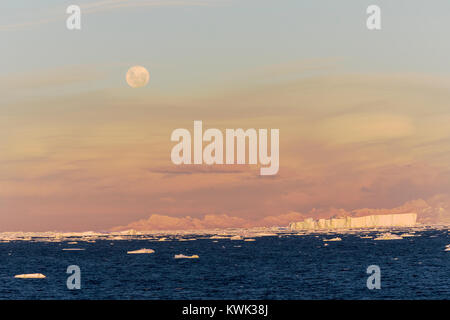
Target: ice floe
[
  {"x": 244, "y": 234},
  {"x": 30, "y": 276},
  {"x": 182, "y": 256},
  {"x": 143, "y": 250},
  {"x": 388, "y": 236},
  {"x": 333, "y": 239}
]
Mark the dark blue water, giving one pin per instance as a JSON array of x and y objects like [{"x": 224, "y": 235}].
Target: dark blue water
[{"x": 290, "y": 267}]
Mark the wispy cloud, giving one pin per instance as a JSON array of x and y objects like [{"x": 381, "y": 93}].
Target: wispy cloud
[{"x": 51, "y": 77}]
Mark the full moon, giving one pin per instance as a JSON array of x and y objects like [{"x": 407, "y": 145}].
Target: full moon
[{"x": 137, "y": 77}]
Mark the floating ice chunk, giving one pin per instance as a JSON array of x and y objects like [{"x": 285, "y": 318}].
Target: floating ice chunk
[
  {"x": 30, "y": 276},
  {"x": 249, "y": 239},
  {"x": 447, "y": 247},
  {"x": 143, "y": 250},
  {"x": 264, "y": 234},
  {"x": 236, "y": 238},
  {"x": 73, "y": 249},
  {"x": 388, "y": 236},
  {"x": 333, "y": 239},
  {"x": 117, "y": 238},
  {"x": 218, "y": 237},
  {"x": 182, "y": 256}
]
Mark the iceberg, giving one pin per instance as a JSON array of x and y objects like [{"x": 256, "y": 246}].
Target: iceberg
[
  {"x": 373, "y": 221},
  {"x": 333, "y": 239},
  {"x": 407, "y": 235},
  {"x": 388, "y": 236},
  {"x": 182, "y": 256},
  {"x": 143, "y": 250},
  {"x": 30, "y": 276}
]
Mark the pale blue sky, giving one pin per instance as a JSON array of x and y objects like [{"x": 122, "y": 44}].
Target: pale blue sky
[{"x": 201, "y": 42}]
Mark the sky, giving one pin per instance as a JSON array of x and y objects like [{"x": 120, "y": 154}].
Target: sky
[{"x": 363, "y": 115}]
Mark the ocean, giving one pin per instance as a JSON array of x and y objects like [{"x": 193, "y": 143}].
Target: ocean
[{"x": 286, "y": 266}]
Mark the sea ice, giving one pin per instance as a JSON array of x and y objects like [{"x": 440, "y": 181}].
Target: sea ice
[
  {"x": 388, "y": 236},
  {"x": 405, "y": 235},
  {"x": 182, "y": 256},
  {"x": 333, "y": 239},
  {"x": 30, "y": 276},
  {"x": 143, "y": 250}
]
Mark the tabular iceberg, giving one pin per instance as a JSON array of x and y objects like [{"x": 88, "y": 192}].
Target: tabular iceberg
[{"x": 374, "y": 221}]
